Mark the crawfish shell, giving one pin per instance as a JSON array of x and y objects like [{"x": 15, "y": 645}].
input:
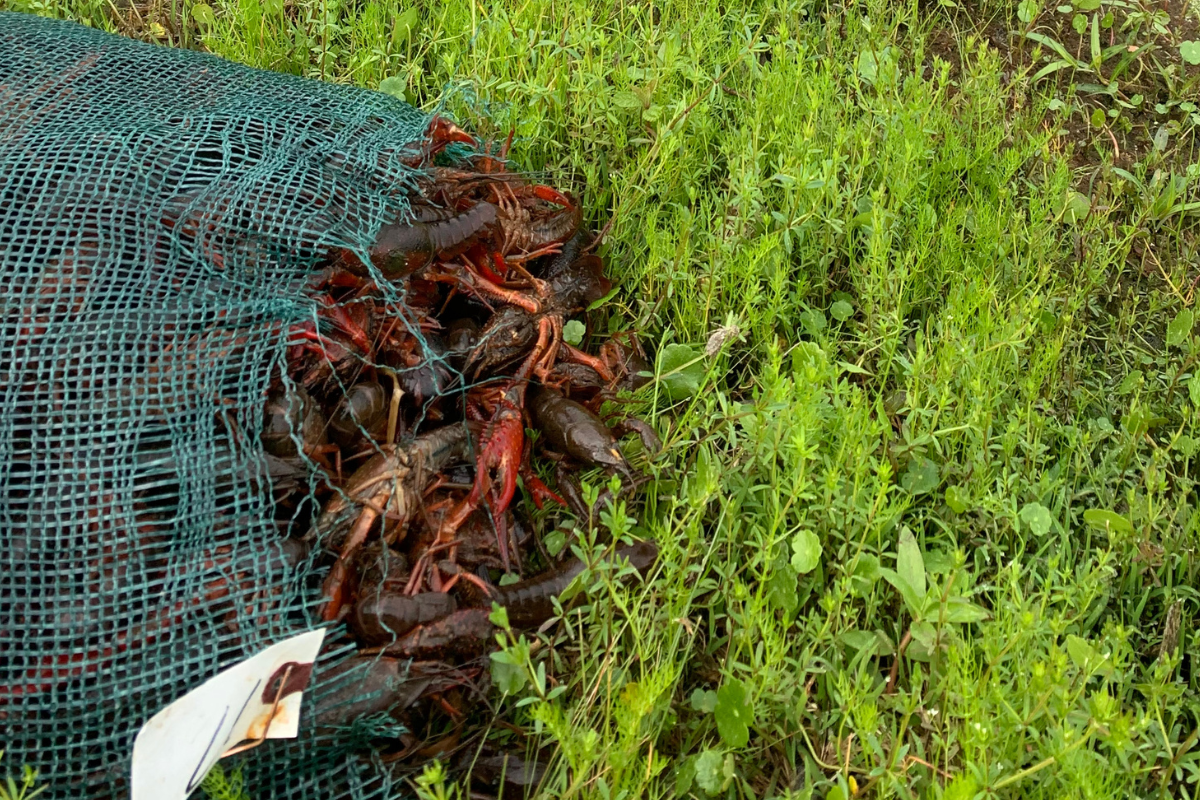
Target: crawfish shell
[
  {"x": 288, "y": 412},
  {"x": 363, "y": 407},
  {"x": 382, "y": 618}
]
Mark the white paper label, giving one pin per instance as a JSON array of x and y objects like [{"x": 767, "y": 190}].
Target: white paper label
[{"x": 179, "y": 745}]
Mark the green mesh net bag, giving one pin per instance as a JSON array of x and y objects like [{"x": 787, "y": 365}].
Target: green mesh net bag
[{"x": 159, "y": 211}]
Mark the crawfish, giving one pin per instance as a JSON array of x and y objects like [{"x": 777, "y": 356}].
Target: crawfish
[
  {"x": 539, "y": 322},
  {"x": 292, "y": 414},
  {"x": 574, "y": 431},
  {"x": 501, "y": 449},
  {"x": 529, "y": 232},
  {"x": 440, "y": 134},
  {"x": 529, "y": 603},
  {"x": 389, "y": 485},
  {"x": 366, "y": 685},
  {"x": 401, "y": 249},
  {"x": 364, "y": 407}
]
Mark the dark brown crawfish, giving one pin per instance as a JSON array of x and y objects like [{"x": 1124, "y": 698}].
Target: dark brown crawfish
[
  {"x": 512, "y": 331},
  {"x": 524, "y": 230},
  {"x": 389, "y": 484},
  {"x": 291, "y": 414},
  {"x": 379, "y": 618},
  {"x": 364, "y": 407},
  {"x": 368, "y": 685},
  {"x": 463, "y": 634},
  {"x": 574, "y": 431},
  {"x": 530, "y": 603},
  {"x": 461, "y": 337},
  {"x": 514, "y": 774},
  {"x": 402, "y": 248}
]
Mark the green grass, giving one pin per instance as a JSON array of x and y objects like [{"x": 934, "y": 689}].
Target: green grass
[{"x": 951, "y": 411}]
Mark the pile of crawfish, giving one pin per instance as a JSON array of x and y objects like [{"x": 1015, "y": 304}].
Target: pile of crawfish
[{"x": 416, "y": 413}]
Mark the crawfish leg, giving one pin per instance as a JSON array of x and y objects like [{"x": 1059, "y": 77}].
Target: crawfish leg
[
  {"x": 479, "y": 284},
  {"x": 335, "y": 584},
  {"x": 579, "y": 357}
]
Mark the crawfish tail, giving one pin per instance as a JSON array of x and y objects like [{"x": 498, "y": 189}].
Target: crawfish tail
[
  {"x": 403, "y": 247},
  {"x": 463, "y": 634},
  {"x": 530, "y": 603},
  {"x": 449, "y": 234},
  {"x": 440, "y": 448}
]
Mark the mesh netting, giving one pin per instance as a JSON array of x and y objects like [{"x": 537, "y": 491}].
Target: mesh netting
[{"x": 159, "y": 211}]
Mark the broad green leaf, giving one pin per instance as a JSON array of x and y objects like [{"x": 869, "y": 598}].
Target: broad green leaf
[
  {"x": 709, "y": 771},
  {"x": 920, "y": 477},
  {"x": 685, "y": 776},
  {"x": 867, "y": 567},
  {"x": 1130, "y": 382},
  {"x": 879, "y": 67},
  {"x": 781, "y": 589},
  {"x": 813, "y": 321},
  {"x": 1081, "y": 652},
  {"x": 1194, "y": 389},
  {"x": 924, "y": 633},
  {"x": 1079, "y": 23},
  {"x": 915, "y": 602},
  {"x": 956, "y": 499},
  {"x": 841, "y": 311},
  {"x": 939, "y": 562},
  {"x": 704, "y": 700},
  {"x": 734, "y": 713},
  {"x": 1050, "y": 69},
  {"x": 1096, "y": 40},
  {"x": 806, "y": 552},
  {"x": 853, "y": 369},
  {"x": 961, "y": 610},
  {"x": 910, "y": 565},
  {"x": 604, "y": 300},
  {"x": 628, "y": 101},
  {"x": 507, "y": 673},
  {"x": 1190, "y": 52},
  {"x": 499, "y": 616},
  {"x": 394, "y": 86},
  {"x": 573, "y": 332},
  {"x": 681, "y": 371},
  {"x": 1038, "y": 518},
  {"x": 1180, "y": 328},
  {"x": 860, "y": 640},
  {"x": 1107, "y": 520},
  {"x": 202, "y": 13},
  {"x": 866, "y": 574},
  {"x": 1026, "y": 11},
  {"x": 403, "y": 27},
  {"x": 1076, "y": 206}
]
